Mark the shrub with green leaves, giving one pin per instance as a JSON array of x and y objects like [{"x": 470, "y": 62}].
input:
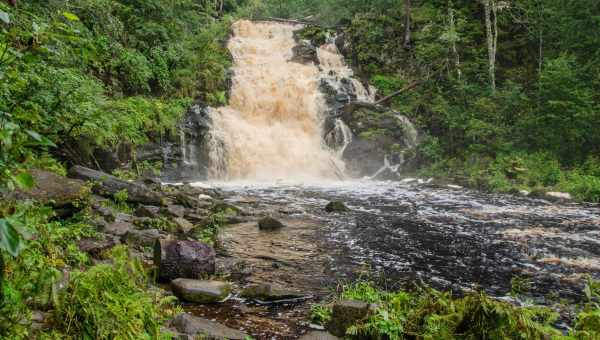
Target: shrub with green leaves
[
  {"x": 113, "y": 301},
  {"x": 430, "y": 314}
]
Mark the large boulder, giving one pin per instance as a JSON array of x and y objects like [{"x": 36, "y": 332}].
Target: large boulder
[
  {"x": 205, "y": 329},
  {"x": 183, "y": 259},
  {"x": 201, "y": 291},
  {"x": 379, "y": 135},
  {"x": 265, "y": 292},
  {"x": 108, "y": 185},
  {"x": 50, "y": 188}
]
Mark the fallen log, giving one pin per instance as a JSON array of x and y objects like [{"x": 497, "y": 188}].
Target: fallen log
[
  {"x": 293, "y": 21},
  {"x": 410, "y": 86},
  {"x": 108, "y": 185},
  {"x": 183, "y": 259}
]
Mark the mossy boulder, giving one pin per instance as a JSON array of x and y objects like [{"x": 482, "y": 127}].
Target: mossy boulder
[
  {"x": 269, "y": 293},
  {"x": 347, "y": 313},
  {"x": 53, "y": 189},
  {"x": 201, "y": 291}
]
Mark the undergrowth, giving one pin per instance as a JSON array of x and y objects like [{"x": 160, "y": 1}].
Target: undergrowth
[
  {"x": 112, "y": 300},
  {"x": 430, "y": 314}
]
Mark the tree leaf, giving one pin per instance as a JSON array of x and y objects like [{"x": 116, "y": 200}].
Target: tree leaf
[
  {"x": 24, "y": 180},
  {"x": 39, "y": 139},
  {"x": 10, "y": 240},
  {"x": 5, "y": 17},
  {"x": 70, "y": 16}
]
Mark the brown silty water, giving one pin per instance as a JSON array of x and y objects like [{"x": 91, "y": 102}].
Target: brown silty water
[{"x": 272, "y": 127}]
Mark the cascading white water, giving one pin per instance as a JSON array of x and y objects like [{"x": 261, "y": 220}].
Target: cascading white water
[{"x": 272, "y": 127}]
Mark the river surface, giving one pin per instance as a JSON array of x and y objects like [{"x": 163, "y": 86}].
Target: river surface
[
  {"x": 450, "y": 238},
  {"x": 399, "y": 235}
]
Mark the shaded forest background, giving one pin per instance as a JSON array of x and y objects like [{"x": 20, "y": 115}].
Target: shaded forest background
[{"x": 507, "y": 100}]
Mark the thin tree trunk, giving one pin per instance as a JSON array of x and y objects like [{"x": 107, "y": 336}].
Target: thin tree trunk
[
  {"x": 454, "y": 48},
  {"x": 407, "y": 22},
  {"x": 492, "y": 39}
]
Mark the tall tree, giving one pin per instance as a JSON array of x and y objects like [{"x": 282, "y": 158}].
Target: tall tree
[
  {"x": 491, "y": 28},
  {"x": 407, "y": 31}
]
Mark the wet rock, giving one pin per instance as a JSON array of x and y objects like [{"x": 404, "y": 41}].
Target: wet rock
[
  {"x": 106, "y": 213},
  {"x": 39, "y": 321},
  {"x": 379, "y": 134},
  {"x": 183, "y": 226},
  {"x": 96, "y": 246},
  {"x": 265, "y": 292},
  {"x": 336, "y": 206},
  {"x": 50, "y": 188},
  {"x": 206, "y": 329},
  {"x": 230, "y": 209},
  {"x": 234, "y": 269},
  {"x": 347, "y": 313},
  {"x": 174, "y": 210},
  {"x": 269, "y": 223},
  {"x": 143, "y": 238},
  {"x": 200, "y": 291},
  {"x": 193, "y": 201},
  {"x": 305, "y": 53},
  {"x": 183, "y": 259},
  {"x": 318, "y": 336},
  {"x": 108, "y": 185},
  {"x": 147, "y": 211},
  {"x": 118, "y": 228}
]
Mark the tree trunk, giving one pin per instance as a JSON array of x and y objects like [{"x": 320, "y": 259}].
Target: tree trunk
[
  {"x": 107, "y": 185},
  {"x": 407, "y": 31},
  {"x": 491, "y": 28},
  {"x": 454, "y": 48},
  {"x": 183, "y": 259},
  {"x": 1, "y": 279}
]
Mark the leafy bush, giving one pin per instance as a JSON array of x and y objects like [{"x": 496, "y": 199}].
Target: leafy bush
[
  {"x": 111, "y": 301},
  {"x": 430, "y": 314}
]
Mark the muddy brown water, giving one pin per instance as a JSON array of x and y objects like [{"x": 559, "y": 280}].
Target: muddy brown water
[{"x": 398, "y": 235}]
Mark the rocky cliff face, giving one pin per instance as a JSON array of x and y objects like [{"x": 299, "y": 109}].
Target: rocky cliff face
[
  {"x": 186, "y": 158},
  {"x": 383, "y": 140}
]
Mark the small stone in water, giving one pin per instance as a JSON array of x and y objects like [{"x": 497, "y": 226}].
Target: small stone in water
[
  {"x": 336, "y": 206},
  {"x": 269, "y": 223}
]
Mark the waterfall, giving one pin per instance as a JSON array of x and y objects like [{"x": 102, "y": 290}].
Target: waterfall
[{"x": 272, "y": 128}]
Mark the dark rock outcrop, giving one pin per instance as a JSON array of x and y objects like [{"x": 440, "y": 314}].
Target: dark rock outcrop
[
  {"x": 186, "y": 156},
  {"x": 379, "y": 134},
  {"x": 183, "y": 259},
  {"x": 305, "y": 53}
]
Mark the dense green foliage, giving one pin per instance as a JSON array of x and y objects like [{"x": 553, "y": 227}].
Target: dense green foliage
[
  {"x": 429, "y": 314},
  {"x": 111, "y": 301},
  {"x": 544, "y": 110},
  {"x": 103, "y": 73}
]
